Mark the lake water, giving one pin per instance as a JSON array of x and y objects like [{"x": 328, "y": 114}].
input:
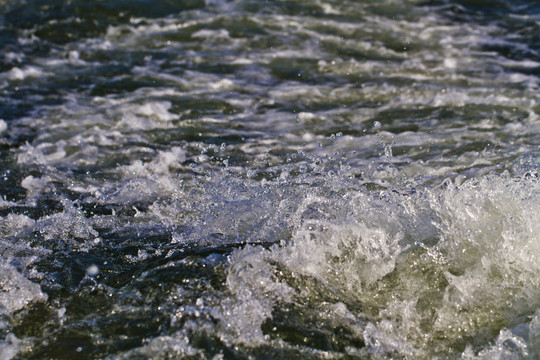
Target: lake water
[{"x": 240, "y": 179}]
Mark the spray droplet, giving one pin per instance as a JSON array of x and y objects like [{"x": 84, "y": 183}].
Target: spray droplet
[{"x": 92, "y": 270}]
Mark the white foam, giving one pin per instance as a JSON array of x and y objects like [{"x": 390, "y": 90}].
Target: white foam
[
  {"x": 211, "y": 34},
  {"x": 507, "y": 346},
  {"x": 349, "y": 255},
  {"x": 163, "y": 346},
  {"x": 242, "y": 61},
  {"x": 155, "y": 177},
  {"x": 69, "y": 228},
  {"x": 13, "y": 223},
  {"x": 223, "y": 84},
  {"x": 35, "y": 186},
  {"x": 329, "y": 9},
  {"x": 42, "y": 154},
  {"x": 149, "y": 115},
  {"x": 25, "y": 72},
  {"x": 132, "y": 190},
  {"x": 450, "y": 63},
  {"x": 9, "y": 347},
  {"x": 250, "y": 280},
  {"x": 485, "y": 228},
  {"x": 17, "y": 291},
  {"x": 11, "y": 56},
  {"x": 382, "y": 342}
]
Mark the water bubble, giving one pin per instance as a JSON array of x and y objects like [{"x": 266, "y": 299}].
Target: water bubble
[{"x": 92, "y": 270}]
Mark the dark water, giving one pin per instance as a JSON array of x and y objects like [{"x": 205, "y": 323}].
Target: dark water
[{"x": 269, "y": 180}]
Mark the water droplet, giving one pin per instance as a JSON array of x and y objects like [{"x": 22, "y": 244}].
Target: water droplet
[{"x": 92, "y": 270}]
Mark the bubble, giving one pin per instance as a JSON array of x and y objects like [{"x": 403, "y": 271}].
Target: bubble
[{"x": 92, "y": 270}]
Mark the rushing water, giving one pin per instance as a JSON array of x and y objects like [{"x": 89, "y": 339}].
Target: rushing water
[{"x": 240, "y": 179}]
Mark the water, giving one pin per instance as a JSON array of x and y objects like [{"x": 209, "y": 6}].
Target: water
[{"x": 272, "y": 180}]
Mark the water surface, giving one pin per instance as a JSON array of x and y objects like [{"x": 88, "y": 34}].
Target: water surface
[{"x": 272, "y": 180}]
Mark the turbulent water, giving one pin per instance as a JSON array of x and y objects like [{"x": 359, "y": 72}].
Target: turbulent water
[{"x": 239, "y": 179}]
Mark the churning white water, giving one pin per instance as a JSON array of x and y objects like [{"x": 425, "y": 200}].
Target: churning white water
[{"x": 269, "y": 180}]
